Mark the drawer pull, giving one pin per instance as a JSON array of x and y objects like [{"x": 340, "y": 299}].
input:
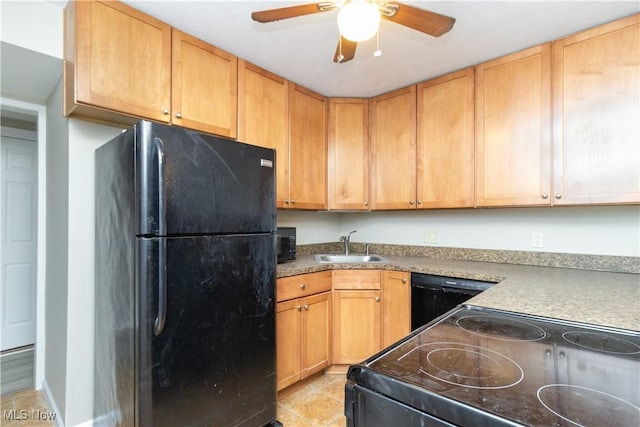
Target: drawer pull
[
  {"x": 298, "y": 308},
  {"x": 302, "y": 286},
  {"x": 306, "y": 307},
  {"x": 404, "y": 280}
]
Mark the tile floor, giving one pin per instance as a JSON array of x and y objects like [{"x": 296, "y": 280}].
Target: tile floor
[
  {"x": 318, "y": 402},
  {"x": 26, "y": 408}
]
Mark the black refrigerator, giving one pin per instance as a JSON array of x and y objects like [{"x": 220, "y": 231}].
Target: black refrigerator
[{"x": 185, "y": 280}]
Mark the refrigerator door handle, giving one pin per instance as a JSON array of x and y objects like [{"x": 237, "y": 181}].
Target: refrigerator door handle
[
  {"x": 161, "y": 318},
  {"x": 162, "y": 202}
]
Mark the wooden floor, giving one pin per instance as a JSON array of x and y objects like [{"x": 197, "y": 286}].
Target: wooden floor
[
  {"x": 317, "y": 402},
  {"x": 16, "y": 369},
  {"x": 26, "y": 408}
]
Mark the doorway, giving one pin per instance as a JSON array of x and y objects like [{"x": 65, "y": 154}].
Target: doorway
[{"x": 22, "y": 231}]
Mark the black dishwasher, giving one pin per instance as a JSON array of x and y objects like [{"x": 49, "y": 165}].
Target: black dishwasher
[{"x": 432, "y": 296}]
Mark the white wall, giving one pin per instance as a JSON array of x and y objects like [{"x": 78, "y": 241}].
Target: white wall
[
  {"x": 34, "y": 24},
  {"x": 56, "y": 257},
  {"x": 312, "y": 227},
  {"x": 603, "y": 230},
  {"x": 84, "y": 138}
]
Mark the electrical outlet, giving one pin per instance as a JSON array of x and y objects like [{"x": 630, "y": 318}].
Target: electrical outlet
[
  {"x": 536, "y": 239},
  {"x": 430, "y": 236}
]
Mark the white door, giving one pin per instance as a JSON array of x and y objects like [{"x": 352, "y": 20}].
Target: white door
[{"x": 18, "y": 212}]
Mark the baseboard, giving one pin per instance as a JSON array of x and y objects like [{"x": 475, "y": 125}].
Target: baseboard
[{"x": 51, "y": 404}]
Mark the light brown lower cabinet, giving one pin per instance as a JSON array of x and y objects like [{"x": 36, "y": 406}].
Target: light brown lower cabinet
[
  {"x": 396, "y": 306},
  {"x": 303, "y": 331},
  {"x": 357, "y": 332},
  {"x": 371, "y": 310}
]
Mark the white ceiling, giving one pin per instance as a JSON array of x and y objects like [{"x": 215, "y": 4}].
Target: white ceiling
[
  {"x": 27, "y": 75},
  {"x": 301, "y": 49}
]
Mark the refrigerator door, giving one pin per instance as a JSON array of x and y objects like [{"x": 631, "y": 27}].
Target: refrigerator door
[
  {"x": 212, "y": 363},
  {"x": 191, "y": 183}
]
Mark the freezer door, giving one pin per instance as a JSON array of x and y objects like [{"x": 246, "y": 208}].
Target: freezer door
[
  {"x": 211, "y": 360},
  {"x": 191, "y": 183}
]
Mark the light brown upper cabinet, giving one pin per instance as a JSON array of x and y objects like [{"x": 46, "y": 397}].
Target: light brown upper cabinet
[
  {"x": 445, "y": 149},
  {"x": 117, "y": 60},
  {"x": 513, "y": 133},
  {"x": 120, "y": 62},
  {"x": 348, "y": 168},
  {"x": 204, "y": 86},
  {"x": 393, "y": 150},
  {"x": 307, "y": 149},
  {"x": 596, "y": 115},
  {"x": 263, "y": 118}
]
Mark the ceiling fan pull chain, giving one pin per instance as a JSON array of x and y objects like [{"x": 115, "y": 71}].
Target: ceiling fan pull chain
[
  {"x": 378, "y": 52},
  {"x": 340, "y": 55}
]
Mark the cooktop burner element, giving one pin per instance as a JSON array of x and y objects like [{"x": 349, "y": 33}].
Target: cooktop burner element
[
  {"x": 468, "y": 366},
  {"x": 501, "y": 329},
  {"x": 585, "y": 407},
  {"x": 600, "y": 342},
  {"x": 477, "y": 366}
]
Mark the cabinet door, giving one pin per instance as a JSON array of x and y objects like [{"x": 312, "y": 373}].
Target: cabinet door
[
  {"x": 513, "y": 104},
  {"x": 308, "y": 149},
  {"x": 446, "y": 146},
  {"x": 263, "y": 118},
  {"x": 348, "y": 153},
  {"x": 356, "y": 327},
  {"x": 393, "y": 150},
  {"x": 288, "y": 327},
  {"x": 396, "y": 306},
  {"x": 356, "y": 279},
  {"x": 204, "y": 86},
  {"x": 596, "y": 139},
  {"x": 302, "y": 285},
  {"x": 316, "y": 333},
  {"x": 118, "y": 59}
]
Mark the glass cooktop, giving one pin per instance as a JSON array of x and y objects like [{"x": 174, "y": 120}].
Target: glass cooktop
[{"x": 512, "y": 370}]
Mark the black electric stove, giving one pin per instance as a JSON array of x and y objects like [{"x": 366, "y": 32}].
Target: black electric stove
[{"x": 475, "y": 366}]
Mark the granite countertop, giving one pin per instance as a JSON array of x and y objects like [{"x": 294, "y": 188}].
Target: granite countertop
[{"x": 595, "y": 297}]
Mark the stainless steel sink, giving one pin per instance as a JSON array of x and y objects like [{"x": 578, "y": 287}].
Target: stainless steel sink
[{"x": 349, "y": 259}]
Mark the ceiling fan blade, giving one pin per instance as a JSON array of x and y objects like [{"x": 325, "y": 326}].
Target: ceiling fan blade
[
  {"x": 348, "y": 51},
  {"x": 421, "y": 20},
  {"x": 292, "y": 11}
]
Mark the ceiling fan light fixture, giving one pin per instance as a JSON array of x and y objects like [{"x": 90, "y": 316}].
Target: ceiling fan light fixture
[{"x": 358, "y": 20}]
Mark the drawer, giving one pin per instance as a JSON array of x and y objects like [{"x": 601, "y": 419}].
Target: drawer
[
  {"x": 305, "y": 284},
  {"x": 356, "y": 279}
]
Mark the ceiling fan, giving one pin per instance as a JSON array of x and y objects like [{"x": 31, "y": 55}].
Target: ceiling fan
[{"x": 358, "y": 20}]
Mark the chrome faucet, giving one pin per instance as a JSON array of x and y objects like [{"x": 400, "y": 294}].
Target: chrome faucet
[{"x": 345, "y": 239}]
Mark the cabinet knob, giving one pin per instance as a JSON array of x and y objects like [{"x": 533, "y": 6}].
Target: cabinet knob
[
  {"x": 306, "y": 307},
  {"x": 377, "y": 299},
  {"x": 286, "y": 201},
  {"x": 293, "y": 202},
  {"x": 558, "y": 196},
  {"x": 404, "y": 280},
  {"x": 298, "y": 308},
  {"x": 419, "y": 202},
  {"x": 165, "y": 111},
  {"x": 545, "y": 196},
  {"x": 178, "y": 115},
  {"x": 411, "y": 202},
  {"x": 366, "y": 203},
  {"x": 302, "y": 286}
]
